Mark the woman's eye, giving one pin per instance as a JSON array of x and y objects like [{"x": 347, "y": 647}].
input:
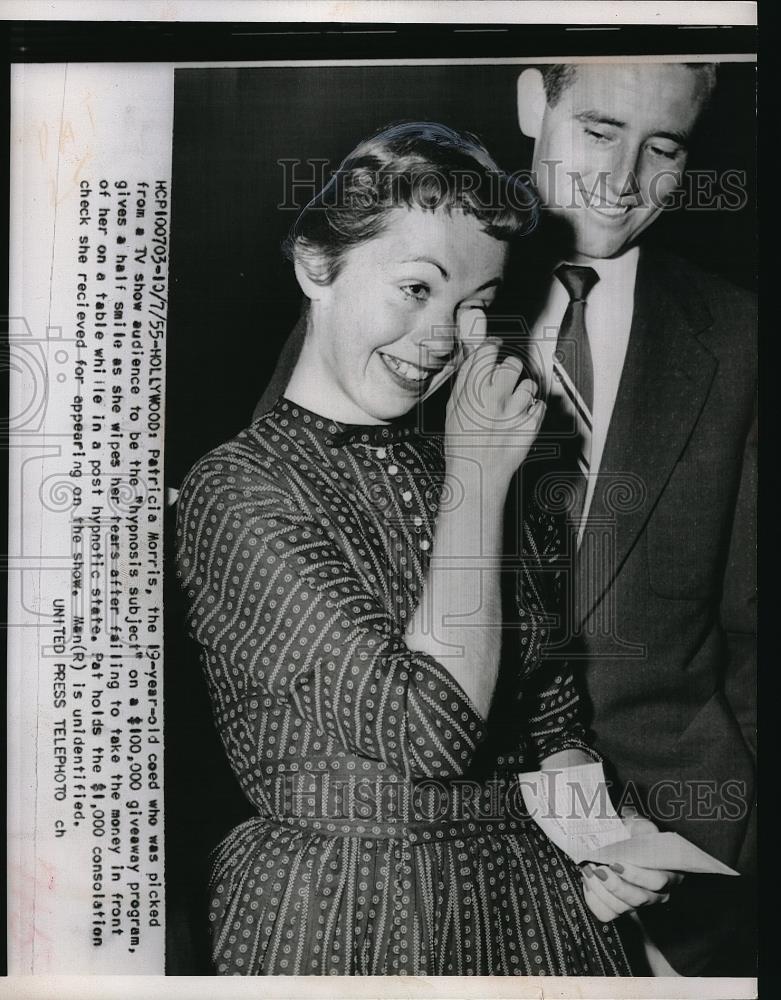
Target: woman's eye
[
  {"x": 597, "y": 136},
  {"x": 416, "y": 290}
]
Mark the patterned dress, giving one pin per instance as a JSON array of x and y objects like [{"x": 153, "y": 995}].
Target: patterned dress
[{"x": 390, "y": 838}]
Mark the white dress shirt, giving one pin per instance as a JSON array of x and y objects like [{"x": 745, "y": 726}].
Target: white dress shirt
[{"x": 608, "y": 318}]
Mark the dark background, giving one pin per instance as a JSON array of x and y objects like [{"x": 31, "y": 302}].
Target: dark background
[{"x": 234, "y": 300}]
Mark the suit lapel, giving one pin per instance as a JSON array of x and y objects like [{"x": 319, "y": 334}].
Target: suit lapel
[{"x": 665, "y": 381}]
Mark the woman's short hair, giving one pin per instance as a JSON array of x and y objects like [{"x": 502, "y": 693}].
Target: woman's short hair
[{"x": 408, "y": 164}]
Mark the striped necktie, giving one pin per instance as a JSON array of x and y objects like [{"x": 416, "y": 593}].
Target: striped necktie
[{"x": 574, "y": 373}]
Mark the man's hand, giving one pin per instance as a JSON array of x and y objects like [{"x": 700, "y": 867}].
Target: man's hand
[{"x": 610, "y": 890}]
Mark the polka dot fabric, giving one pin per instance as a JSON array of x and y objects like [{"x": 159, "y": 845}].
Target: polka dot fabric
[{"x": 302, "y": 547}]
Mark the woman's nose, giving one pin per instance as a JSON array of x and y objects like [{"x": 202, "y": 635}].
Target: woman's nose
[{"x": 437, "y": 337}]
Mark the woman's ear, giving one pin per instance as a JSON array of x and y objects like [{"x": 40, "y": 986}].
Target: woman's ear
[
  {"x": 531, "y": 102},
  {"x": 311, "y": 269}
]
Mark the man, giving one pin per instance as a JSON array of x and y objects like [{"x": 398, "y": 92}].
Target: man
[
  {"x": 651, "y": 364},
  {"x": 657, "y": 370}
]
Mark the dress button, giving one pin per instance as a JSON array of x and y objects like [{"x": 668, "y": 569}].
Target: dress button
[
  {"x": 425, "y": 544},
  {"x": 417, "y": 520},
  {"x": 406, "y": 496},
  {"x": 382, "y": 453},
  {"x": 392, "y": 470}
]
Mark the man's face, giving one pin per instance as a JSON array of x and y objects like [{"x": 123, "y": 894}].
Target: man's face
[{"x": 611, "y": 151}]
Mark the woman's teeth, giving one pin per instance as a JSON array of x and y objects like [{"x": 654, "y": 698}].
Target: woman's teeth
[{"x": 406, "y": 369}]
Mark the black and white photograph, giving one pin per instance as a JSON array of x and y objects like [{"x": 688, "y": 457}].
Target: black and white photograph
[
  {"x": 403, "y": 466},
  {"x": 383, "y": 490}
]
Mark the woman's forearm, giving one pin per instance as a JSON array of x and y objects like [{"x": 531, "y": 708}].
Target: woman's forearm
[
  {"x": 459, "y": 617},
  {"x": 492, "y": 418}
]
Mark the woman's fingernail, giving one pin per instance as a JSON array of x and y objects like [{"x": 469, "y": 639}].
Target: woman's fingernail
[
  {"x": 588, "y": 871},
  {"x": 617, "y": 868},
  {"x": 601, "y": 874}
]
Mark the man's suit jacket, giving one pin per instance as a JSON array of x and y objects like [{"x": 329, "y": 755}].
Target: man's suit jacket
[{"x": 660, "y": 596}]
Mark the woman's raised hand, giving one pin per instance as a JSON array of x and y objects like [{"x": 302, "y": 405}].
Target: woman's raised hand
[{"x": 493, "y": 414}]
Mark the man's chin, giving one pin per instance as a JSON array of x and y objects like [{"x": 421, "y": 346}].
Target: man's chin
[{"x": 599, "y": 246}]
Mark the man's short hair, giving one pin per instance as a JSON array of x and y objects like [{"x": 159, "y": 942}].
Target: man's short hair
[{"x": 558, "y": 76}]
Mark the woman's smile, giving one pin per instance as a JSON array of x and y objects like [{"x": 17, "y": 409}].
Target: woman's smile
[{"x": 406, "y": 374}]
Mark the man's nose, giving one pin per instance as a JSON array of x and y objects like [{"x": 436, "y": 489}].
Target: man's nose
[{"x": 622, "y": 176}]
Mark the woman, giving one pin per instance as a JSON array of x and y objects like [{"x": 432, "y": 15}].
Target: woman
[{"x": 340, "y": 565}]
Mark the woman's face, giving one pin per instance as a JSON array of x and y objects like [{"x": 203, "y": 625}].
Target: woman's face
[{"x": 385, "y": 332}]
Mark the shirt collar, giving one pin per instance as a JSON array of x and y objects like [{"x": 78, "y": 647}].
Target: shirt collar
[{"x": 614, "y": 272}]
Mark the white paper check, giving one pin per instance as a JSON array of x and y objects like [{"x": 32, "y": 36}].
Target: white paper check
[{"x": 572, "y": 807}]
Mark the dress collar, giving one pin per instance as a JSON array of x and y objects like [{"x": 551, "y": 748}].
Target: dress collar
[{"x": 337, "y": 434}]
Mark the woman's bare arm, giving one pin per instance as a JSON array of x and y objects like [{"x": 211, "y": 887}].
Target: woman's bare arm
[{"x": 491, "y": 423}]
